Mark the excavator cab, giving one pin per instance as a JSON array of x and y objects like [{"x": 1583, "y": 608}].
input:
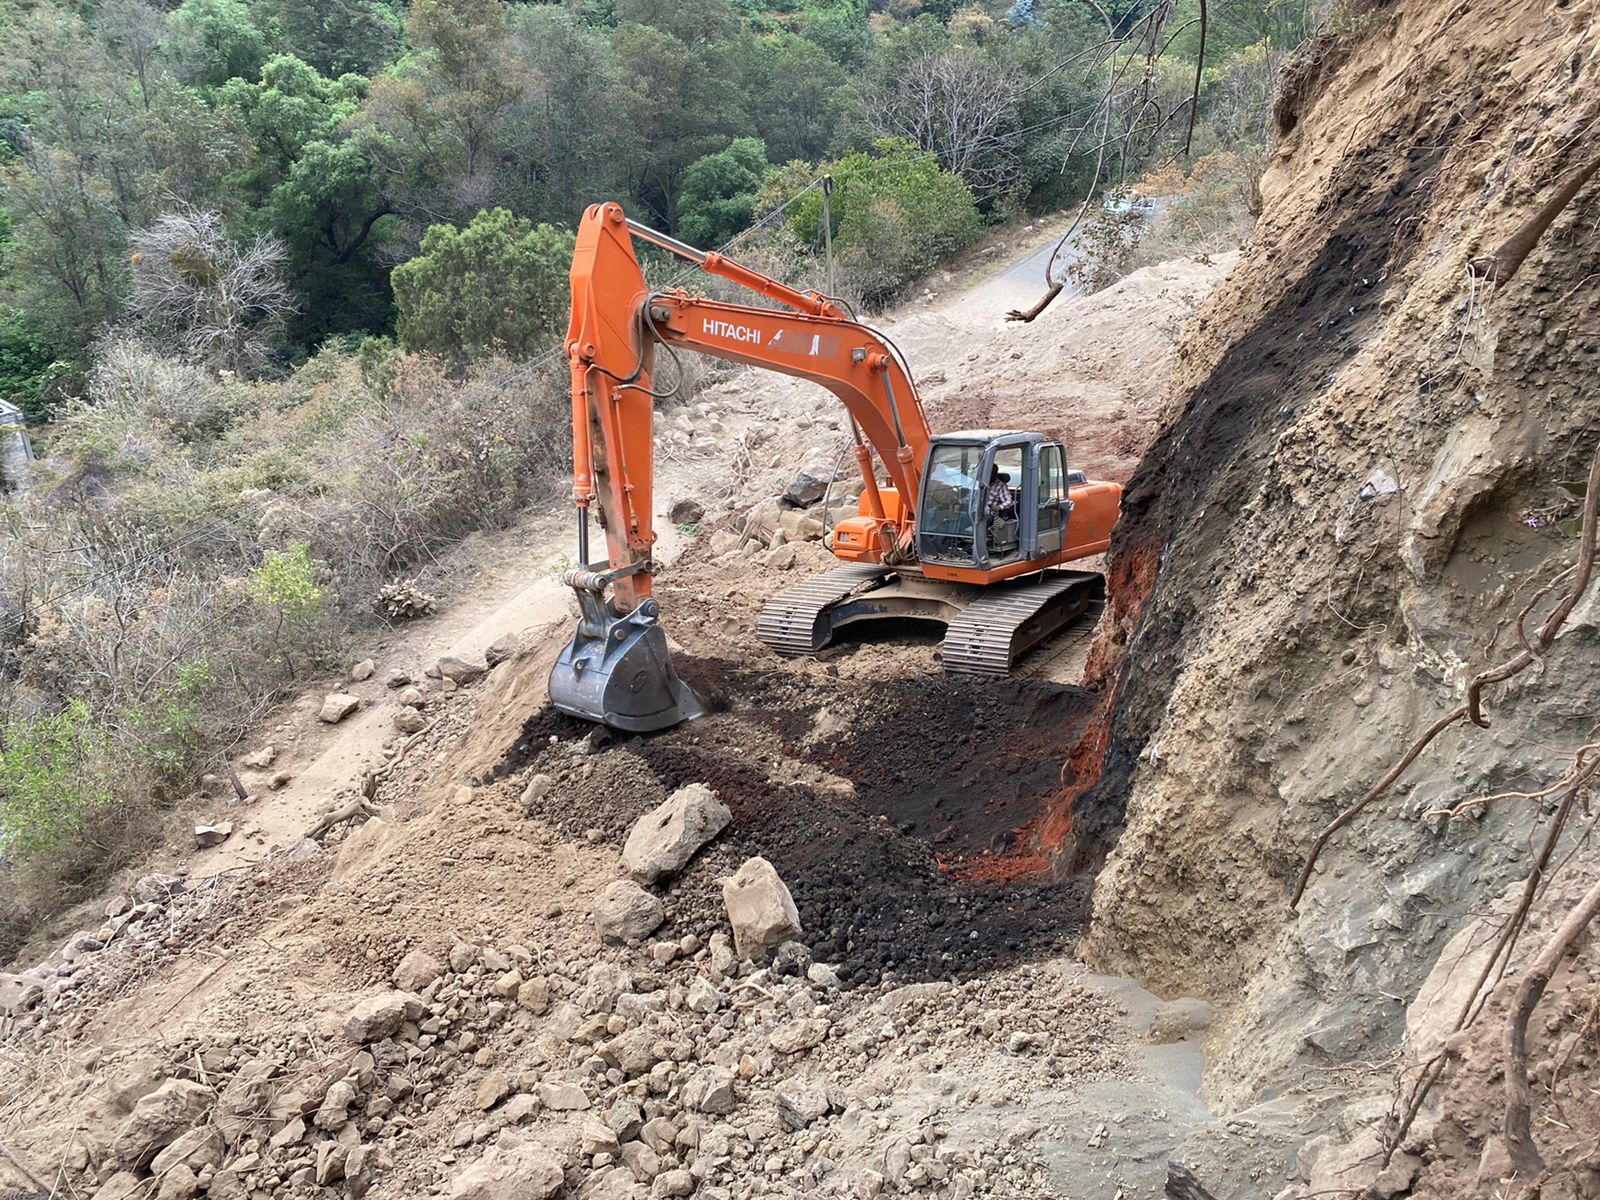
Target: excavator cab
[{"x": 992, "y": 500}]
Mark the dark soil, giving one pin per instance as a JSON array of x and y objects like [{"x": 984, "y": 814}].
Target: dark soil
[{"x": 944, "y": 770}]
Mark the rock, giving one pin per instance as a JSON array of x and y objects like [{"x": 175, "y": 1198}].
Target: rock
[
  {"x": 677, "y": 1182},
  {"x": 534, "y": 995},
  {"x": 781, "y": 558},
  {"x": 798, "y": 526},
  {"x": 378, "y": 1017},
  {"x": 502, "y": 649},
  {"x": 519, "y": 1108},
  {"x": 261, "y": 759},
  {"x": 625, "y": 1118},
  {"x": 124, "y": 1185},
  {"x": 157, "y": 889},
  {"x": 537, "y": 789},
  {"x": 178, "y": 1184},
  {"x": 801, "y": 1102},
  {"x": 279, "y": 781},
  {"x": 824, "y": 975},
  {"x": 560, "y": 1096},
  {"x": 330, "y": 1163},
  {"x": 409, "y": 720},
  {"x": 644, "y": 1162},
  {"x": 799, "y": 1035},
  {"x": 811, "y": 480},
  {"x": 494, "y": 1088},
  {"x": 206, "y": 836},
  {"x": 158, "y": 1119},
  {"x": 397, "y": 678},
  {"x": 337, "y": 706},
  {"x": 462, "y": 956},
  {"x": 625, "y": 912},
  {"x": 526, "y": 1172},
  {"x": 760, "y": 909},
  {"x": 416, "y": 971},
  {"x": 18, "y": 994},
  {"x": 1177, "y": 1019},
  {"x": 686, "y": 512},
  {"x": 663, "y": 841},
  {"x": 459, "y": 671},
  {"x": 363, "y": 670},
  {"x": 196, "y": 1149},
  {"x": 703, "y": 997},
  {"x": 412, "y": 698},
  {"x": 711, "y": 1091},
  {"x": 334, "y": 1112},
  {"x": 724, "y": 541}
]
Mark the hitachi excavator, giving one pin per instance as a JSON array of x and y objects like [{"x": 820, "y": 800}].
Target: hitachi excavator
[{"x": 970, "y": 530}]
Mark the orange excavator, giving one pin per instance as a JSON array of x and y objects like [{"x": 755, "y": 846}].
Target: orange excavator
[{"x": 969, "y": 531}]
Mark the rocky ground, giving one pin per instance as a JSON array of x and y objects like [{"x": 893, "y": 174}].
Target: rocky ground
[{"x": 416, "y": 962}]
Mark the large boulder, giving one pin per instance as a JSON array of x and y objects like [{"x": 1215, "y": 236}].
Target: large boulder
[
  {"x": 156, "y": 1121},
  {"x": 760, "y": 909},
  {"x": 811, "y": 480},
  {"x": 528, "y": 1172},
  {"x": 663, "y": 841},
  {"x": 625, "y": 912}
]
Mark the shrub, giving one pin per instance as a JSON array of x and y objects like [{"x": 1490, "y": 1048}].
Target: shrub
[
  {"x": 499, "y": 286},
  {"x": 52, "y": 779},
  {"x": 717, "y": 195}
]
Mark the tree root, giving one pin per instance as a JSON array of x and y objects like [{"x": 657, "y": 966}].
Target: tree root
[
  {"x": 359, "y": 807},
  {"x": 1504, "y": 262}
]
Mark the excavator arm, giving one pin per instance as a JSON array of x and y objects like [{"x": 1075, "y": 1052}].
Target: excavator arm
[
  {"x": 618, "y": 669},
  {"x": 618, "y": 324}
]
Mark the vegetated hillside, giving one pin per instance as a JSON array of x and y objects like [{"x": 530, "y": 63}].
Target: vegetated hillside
[{"x": 1366, "y": 474}]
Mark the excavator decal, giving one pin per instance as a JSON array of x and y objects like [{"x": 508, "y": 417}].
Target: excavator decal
[{"x": 967, "y": 528}]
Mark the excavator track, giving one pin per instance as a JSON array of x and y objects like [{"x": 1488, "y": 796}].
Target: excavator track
[
  {"x": 792, "y": 621},
  {"x": 1000, "y": 625}
]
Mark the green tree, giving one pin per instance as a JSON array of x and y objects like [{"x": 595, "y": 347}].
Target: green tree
[
  {"x": 337, "y": 37},
  {"x": 217, "y": 41},
  {"x": 795, "y": 93},
  {"x": 497, "y": 286},
  {"x": 718, "y": 195}
]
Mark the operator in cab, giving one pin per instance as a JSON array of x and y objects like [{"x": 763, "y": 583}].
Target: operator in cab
[{"x": 999, "y": 501}]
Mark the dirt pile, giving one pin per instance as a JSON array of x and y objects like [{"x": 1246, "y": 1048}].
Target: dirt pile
[{"x": 1355, "y": 490}]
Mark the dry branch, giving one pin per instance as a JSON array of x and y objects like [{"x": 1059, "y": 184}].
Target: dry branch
[
  {"x": 359, "y": 807},
  {"x": 1518, "y": 1129}
]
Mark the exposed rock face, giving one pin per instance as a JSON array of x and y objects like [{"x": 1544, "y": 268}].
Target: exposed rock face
[
  {"x": 1347, "y": 507},
  {"x": 662, "y": 842},
  {"x": 760, "y": 909}
]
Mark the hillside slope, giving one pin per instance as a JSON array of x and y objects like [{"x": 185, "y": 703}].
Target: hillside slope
[{"x": 1354, "y": 492}]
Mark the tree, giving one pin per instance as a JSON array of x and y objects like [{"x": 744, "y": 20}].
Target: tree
[
  {"x": 208, "y": 295},
  {"x": 796, "y": 93},
  {"x": 337, "y": 37},
  {"x": 133, "y": 31},
  {"x": 497, "y": 286},
  {"x": 217, "y": 41},
  {"x": 718, "y": 195}
]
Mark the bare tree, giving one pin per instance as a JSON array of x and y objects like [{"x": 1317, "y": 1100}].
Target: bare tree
[
  {"x": 962, "y": 107},
  {"x": 219, "y": 300},
  {"x": 134, "y": 31}
]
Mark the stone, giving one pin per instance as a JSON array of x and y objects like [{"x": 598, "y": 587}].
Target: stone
[
  {"x": 644, "y": 1162},
  {"x": 519, "y": 1108},
  {"x": 677, "y": 1182},
  {"x": 526, "y": 1172},
  {"x": 625, "y": 1118},
  {"x": 494, "y": 1088},
  {"x": 334, "y": 1112},
  {"x": 760, "y": 909},
  {"x": 560, "y": 1096},
  {"x": 336, "y": 706},
  {"x": 330, "y": 1163},
  {"x": 798, "y": 1035},
  {"x": 801, "y": 1102},
  {"x": 597, "y": 1137},
  {"x": 412, "y": 697},
  {"x": 279, "y": 781},
  {"x": 178, "y": 1184},
  {"x": 124, "y": 1185},
  {"x": 363, "y": 670},
  {"x": 502, "y": 649},
  {"x": 703, "y": 996},
  {"x": 625, "y": 912},
  {"x": 157, "y": 888},
  {"x": 261, "y": 759},
  {"x": 18, "y": 993},
  {"x": 534, "y": 995},
  {"x": 658, "y": 1133},
  {"x": 158, "y": 1119},
  {"x": 196, "y": 1149},
  {"x": 724, "y": 541},
  {"x": 711, "y": 1091},
  {"x": 781, "y": 558},
  {"x": 1177, "y": 1019},
  {"x": 811, "y": 480},
  {"x": 462, "y": 956},
  {"x": 206, "y": 836},
  {"x": 633, "y": 1052},
  {"x": 416, "y": 971},
  {"x": 687, "y": 511},
  {"x": 397, "y": 678},
  {"x": 663, "y": 841},
  {"x": 824, "y": 976},
  {"x": 536, "y": 790},
  {"x": 408, "y": 720},
  {"x": 458, "y": 671},
  {"x": 799, "y": 526},
  {"x": 377, "y": 1017}
]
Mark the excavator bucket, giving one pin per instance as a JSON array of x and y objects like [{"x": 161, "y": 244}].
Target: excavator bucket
[{"x": 618, "y": 670}]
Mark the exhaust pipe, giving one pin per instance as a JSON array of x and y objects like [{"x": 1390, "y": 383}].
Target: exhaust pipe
[{"x": 618, "y": 670}]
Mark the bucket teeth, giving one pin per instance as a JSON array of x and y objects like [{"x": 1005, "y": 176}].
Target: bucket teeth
[{"x": 618, "y": 671}]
